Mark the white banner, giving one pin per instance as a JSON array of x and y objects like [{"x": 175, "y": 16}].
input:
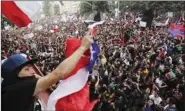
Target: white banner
[
  {"x": 170, "y": 14},
  {"x": 142, "y": 24}
]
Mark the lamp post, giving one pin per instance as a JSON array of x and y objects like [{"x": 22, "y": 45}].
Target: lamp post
[{"x": 117, "y": 9}]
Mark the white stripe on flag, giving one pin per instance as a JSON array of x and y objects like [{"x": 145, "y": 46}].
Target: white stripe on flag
[
  {"x": 69, "y": 86},
  {"x": 30, "y": 8},
  {"x": 94, "y": 24}
]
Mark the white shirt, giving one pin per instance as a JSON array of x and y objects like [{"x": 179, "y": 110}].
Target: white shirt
[
  {"x": 95, "y": 73},
  {"x": 161, "y": 67},
  {"x": 170, "y": 60},
  {"x": 156, "y": 100},
  {"x": 159, "y": 82},
  {"x": 106, "y": 72}
]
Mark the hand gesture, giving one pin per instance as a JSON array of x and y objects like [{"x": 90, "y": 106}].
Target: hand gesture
[{"x": 87, "y": 40}]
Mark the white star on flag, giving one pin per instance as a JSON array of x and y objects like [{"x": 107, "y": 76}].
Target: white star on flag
[{"x": 92, "y": 53}]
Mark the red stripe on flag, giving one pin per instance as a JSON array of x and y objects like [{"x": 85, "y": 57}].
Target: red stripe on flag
[
  {"x": 72, "y": 46},
  {"x": 94, "y": 31},
  {"x": 78, "y": 101},
  {"x": 14, "y": 14},
  {"x": 168, "y": 76}
]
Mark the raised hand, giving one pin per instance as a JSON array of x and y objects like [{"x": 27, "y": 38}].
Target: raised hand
[{"x": 87, "y": 40}]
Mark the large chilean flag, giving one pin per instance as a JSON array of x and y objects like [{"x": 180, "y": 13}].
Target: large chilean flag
[
  {"x": 72, "y": 93},
  {"x": 20, "y": 13}
]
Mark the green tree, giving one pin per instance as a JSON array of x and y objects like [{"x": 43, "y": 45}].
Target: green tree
[
  {"x": 5, "y": 22},
  {"x": 47, "y": 8},
  {"x": 88, "y": 7},
  {"x": 61, "y": 3},
  {"x": 159, "y": 7},
  {"x": 56, "y": 9}
]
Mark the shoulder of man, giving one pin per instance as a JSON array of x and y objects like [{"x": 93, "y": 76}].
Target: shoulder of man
[{"x": 171, "y": 109}]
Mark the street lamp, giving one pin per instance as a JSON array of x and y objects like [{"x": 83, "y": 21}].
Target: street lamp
[{"x": 117, "y": 9}]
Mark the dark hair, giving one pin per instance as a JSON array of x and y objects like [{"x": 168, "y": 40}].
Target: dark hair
[{"x": 172, "y": 100}]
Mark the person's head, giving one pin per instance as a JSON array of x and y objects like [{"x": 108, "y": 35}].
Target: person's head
[
  {"x": 171, "y": 101},
  {"x": 15, "y": 67},
  {"x": 150, "y": 102},
  {"x": 156, "y": 94},
  {"x": 26, "y": 71}
]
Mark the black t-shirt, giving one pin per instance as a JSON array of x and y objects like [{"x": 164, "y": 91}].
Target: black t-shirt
[{"x": 19, "y": 96}]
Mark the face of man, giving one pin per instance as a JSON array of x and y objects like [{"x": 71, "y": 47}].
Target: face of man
[
  {"x": 26, "y": 71},
  {"x": 150, "y": 102}
]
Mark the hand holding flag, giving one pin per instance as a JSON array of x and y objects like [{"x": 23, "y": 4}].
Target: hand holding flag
[
  {"x": 87, "y": 40},
  {"x": 93, "y": 23},
  {"x": 72, "y": 93}
]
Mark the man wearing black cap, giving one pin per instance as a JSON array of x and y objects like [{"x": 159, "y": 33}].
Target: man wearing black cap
[{"x": 20, "y": 86}]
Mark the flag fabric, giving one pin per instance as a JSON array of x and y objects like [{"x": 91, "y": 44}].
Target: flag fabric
[
  {"x": 176, "y": 30},
  {"x": 128, "y": 25},
  {"x": 20, "y": 13},
  {"x": 93, "y": 23},
  {"x": 72, "y": 93},
  {"x": 132, "y": 17},
  {"x": 55, "y": 28},
  {"x": 123, "y": 40},
  {"x": 170, "y": 75},
  {"x": 94, "y": 31},
  {"x": 166, "y": 22},
  {"x": 159, "y": 24}
]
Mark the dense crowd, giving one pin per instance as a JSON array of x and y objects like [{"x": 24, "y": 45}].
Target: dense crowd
[{"x": 144, "y": 74}]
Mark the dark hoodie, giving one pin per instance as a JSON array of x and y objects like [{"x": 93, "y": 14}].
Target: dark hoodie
[{"x": 17, "y": 93}]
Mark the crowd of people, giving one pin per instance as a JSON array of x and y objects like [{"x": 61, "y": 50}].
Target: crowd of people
[{"x": 146, "y": 73}]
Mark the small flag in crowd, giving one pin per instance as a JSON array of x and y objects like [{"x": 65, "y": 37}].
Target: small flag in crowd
[
  {"x": 176, "y": 30},
  {"x": 166, "y": 22},
  {"x": 170, "y": 75},
  {"x": 128, "y": 25},
  {"x": 72, "y": 93},
  {"x": 55, "y": 29},
  {"x": 20, "y": 13}
]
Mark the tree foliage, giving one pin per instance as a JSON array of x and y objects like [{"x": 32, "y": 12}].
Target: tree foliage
[
  {"x": 56, "y": 9},
  {"x": 47, "y": 8},
  {"x": 5, "y": 22},
  {"x": 88, "y": 7},
  {"x": 160, "y": 7},
  {"x": 61, "y": 3}
]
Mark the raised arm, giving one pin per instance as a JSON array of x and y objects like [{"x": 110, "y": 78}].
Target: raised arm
[{"x": 63, "y": 68}]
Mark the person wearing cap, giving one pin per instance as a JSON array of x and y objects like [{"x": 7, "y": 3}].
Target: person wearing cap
[{"x": 20, "y": 85}]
